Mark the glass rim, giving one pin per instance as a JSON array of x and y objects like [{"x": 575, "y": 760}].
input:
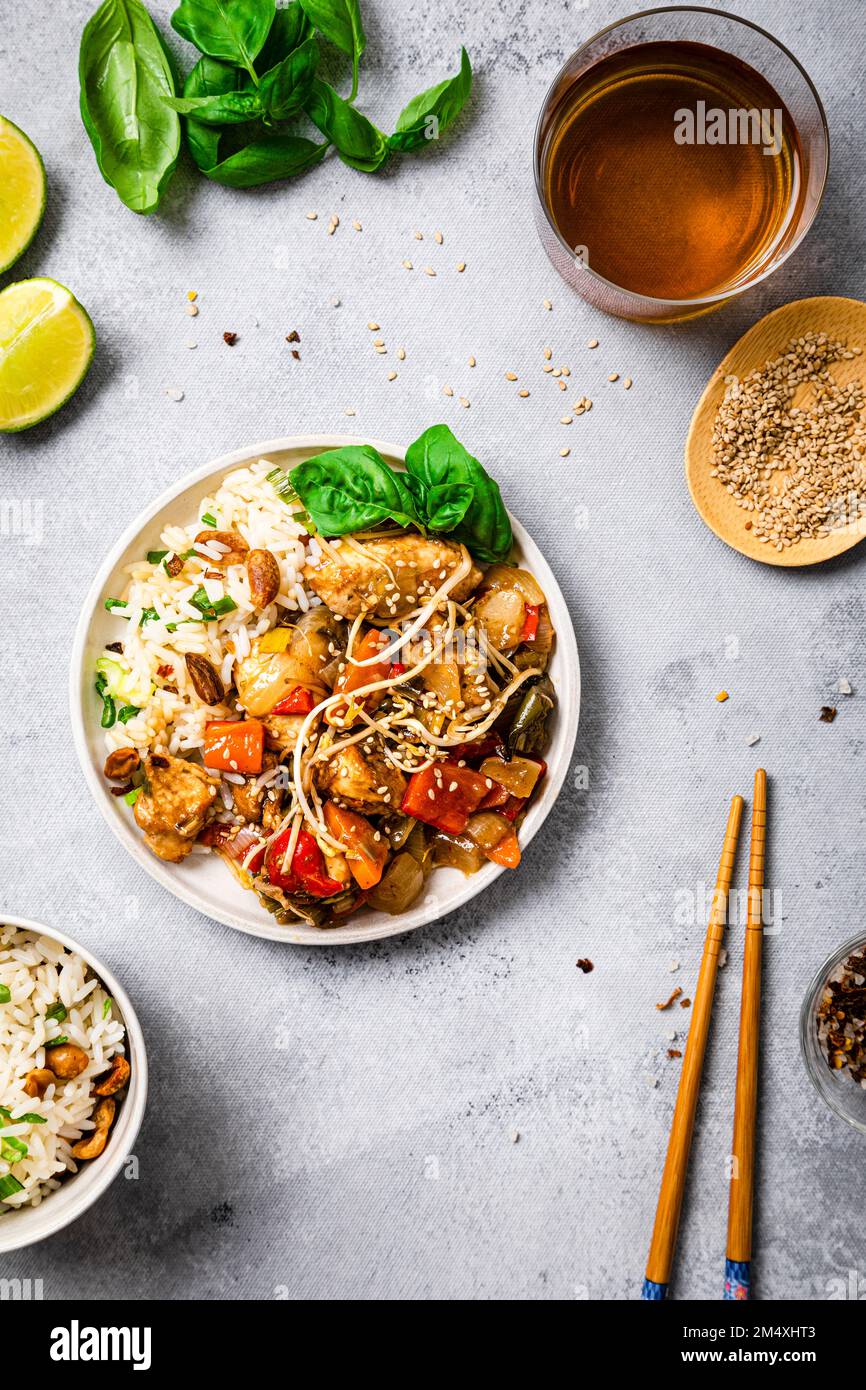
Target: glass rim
[
  {"x": 808, "y": 1040},
  {"x": 701, "y": 301}
]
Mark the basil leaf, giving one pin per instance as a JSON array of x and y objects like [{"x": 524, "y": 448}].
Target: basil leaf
[
  {"x": 208, "y": 78},
  {"x": 359, "y": 143},
  {"x": 438, "y": 459},
  {"x": 230, "y": 108},
  {"x": 339, "y": 21},
  {"x": 230, "y": 29},
  {"x": 428, "y": 114},
  {"x": 352, "y": 489},
  {"x": 285, "y": 85},
  {"x": 125, "y": 75},
  {"x": 288, "y": 31},
  {"x": 446, "y": 505},
  {"x": 271, "y": 156}
]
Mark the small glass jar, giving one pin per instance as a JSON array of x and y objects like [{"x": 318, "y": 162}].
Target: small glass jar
[{"x": 845, "y": 1096}]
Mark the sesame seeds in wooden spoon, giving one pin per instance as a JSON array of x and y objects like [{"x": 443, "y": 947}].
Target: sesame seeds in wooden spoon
[{"x": 776, "y": 452}]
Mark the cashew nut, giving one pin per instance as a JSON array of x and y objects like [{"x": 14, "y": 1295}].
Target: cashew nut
[
  {"x": 37, "y": 1082},
  {"x": 92, "y": 1144},
  {"x": 116, "y": 1079},
  {"x": 66, "y": 1060}
]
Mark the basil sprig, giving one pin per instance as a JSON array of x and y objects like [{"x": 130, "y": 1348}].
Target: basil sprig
[
  {"x": 127, "y": 81},
  {"x": 257, "y": 73},
  {"x": 357, "y": 141},
  {"x": 444, "y": 491},
  {"x": 352, "y": 489},
  {"x": 445, "y": 472},
  {"x": 339, "y": 21},
  {"x": 431, "y": 112},
  {"x": 234, "y": 30}
]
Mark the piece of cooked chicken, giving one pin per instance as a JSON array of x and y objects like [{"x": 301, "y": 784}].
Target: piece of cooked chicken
[
  {"x": 388, "y": 577},
  {"x": 175, "y": 798},
  {"x": 248, "y": 796},
  {"x": 281, "y": 730},
  {"x": 361, "y": 782}
]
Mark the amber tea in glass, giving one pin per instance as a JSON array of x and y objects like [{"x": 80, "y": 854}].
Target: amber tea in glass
[{"x": 672, "y": 169}]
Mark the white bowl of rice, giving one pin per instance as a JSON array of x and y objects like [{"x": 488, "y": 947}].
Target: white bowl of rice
[
  {"x": 158, "y": 622},
  {"x": 53, "y": 991}
]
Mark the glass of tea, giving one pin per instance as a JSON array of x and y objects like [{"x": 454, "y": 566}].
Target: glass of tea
[{"x": 680, "y": 157}]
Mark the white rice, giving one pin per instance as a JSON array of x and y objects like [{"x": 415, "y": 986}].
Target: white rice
[
  {"x": 247, "y": 503},
  {"x": 39, "y": 973}
]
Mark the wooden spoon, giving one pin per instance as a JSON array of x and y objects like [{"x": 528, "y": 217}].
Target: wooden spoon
[{"x": 843, "y": 319}]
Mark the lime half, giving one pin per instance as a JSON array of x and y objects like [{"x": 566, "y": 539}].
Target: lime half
[
  {"x": 22, "y": 192},
  {"x": 46, "y": 343}
]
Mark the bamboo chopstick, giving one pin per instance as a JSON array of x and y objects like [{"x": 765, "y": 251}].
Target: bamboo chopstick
[
  {"x": 738, "y": 1275},
  {"x": 664, "y": 1238}
]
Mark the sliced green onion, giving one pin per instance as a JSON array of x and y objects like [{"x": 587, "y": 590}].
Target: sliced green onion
[
  {"x": 106, "y": 1008},
  {"x": 31, "y": 1119},
  {"x": 4, "y": 1111},
  {"x": 55, "y": 1042},
  {"x": 128, "y": 712},
  {"x": 148, "y": 615},
  {"x": 9, "y": 1186},
  {"x": 12, "y": 1150},
  {"x": 112, "y": 603},
  {"x": 208, "y": 520},
  {"x": 281, "y": 484},
  {"x": 211, "y": 611},
  {"x": 132, "y": 797},
  {"x": 5, "y": 994},
  {"x": 108, "y": 712},
  {"x": 57, "y": 1011},
  {"x": 154, "y": 556}
]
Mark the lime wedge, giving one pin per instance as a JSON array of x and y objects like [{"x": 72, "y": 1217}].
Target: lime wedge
[
  {"x": 46, "y": 343},
  {"x": 22, "y": 192}
]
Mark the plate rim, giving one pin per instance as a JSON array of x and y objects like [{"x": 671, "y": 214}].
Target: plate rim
[{"x": 302, "y": 934}]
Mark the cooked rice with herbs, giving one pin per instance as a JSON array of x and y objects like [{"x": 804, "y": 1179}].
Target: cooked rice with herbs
[{"x": 62, "y": 1066}]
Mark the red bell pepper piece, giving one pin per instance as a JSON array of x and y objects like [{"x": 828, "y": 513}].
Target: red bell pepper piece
[
  {"x": 444, "y": 796},
  {"x": 478, "y": 749},
  {"x": 530, "y": 623},
  {"x": 298, "y": 701},
  {"x": 397, "y": 669},
  {"x": 496, "y": 797},
  {"x": 234, "y": 745},
  {"x": 307, "y": 873}
]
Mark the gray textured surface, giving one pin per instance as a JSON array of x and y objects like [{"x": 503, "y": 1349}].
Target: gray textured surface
[{"x": 339, "y": 1124}]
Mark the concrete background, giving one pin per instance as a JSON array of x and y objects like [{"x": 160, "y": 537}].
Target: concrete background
[{"x": 339, "y": 1123}]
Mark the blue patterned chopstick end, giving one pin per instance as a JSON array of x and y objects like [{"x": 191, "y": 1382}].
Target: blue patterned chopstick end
[
  {"x": 653, "y": 1293},
  {"x": 738, "y": 1279}
]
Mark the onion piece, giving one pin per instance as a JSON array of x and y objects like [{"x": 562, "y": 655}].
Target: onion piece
[
  {"x": 502, "y": 577},
  {"x": 486, "y": 829}
]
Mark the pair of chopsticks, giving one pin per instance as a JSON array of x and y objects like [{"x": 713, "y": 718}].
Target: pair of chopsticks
[{"x": 739, "y": 1243}]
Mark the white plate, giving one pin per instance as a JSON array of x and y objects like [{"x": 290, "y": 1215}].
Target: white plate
[
  {"x": 78, "y": 1191},
  {"x": 204, "y": 881}
]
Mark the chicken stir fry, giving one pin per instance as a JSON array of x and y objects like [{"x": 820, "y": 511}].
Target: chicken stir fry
[
  {"x": 384, "y": 579},
  {"x": 396, "y": 726}
]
